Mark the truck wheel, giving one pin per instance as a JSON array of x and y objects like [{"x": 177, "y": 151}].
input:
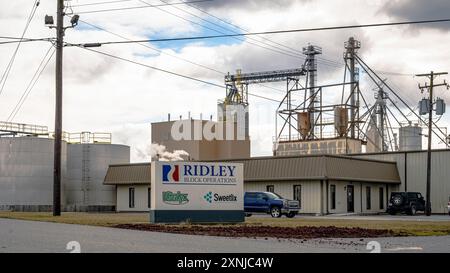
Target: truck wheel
[
  {"x": 412, "y": 210},
  {"x": 248, "y": 214},
  {"x": 275, "y": 212},
  {"x": 291, "y": 215}
]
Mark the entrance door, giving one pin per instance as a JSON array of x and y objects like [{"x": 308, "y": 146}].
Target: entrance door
[{"x": 350, "y": 198}]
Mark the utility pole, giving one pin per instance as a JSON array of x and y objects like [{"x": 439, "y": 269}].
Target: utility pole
[
  {"x": 59, "y": 44},
  {"x": 58, "y": 109},
  {"x": 430, "y": 88}
]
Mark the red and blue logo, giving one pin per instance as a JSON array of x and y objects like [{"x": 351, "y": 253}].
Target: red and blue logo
[{"x": 170, "y": 173}]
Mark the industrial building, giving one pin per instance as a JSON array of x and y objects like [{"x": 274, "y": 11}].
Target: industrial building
[
  {"x": 26, "y": 164},
  {"x": 196, "y": 145},
  {"x": 322, "y": 184},
  {"x": 333, "y": 156}
]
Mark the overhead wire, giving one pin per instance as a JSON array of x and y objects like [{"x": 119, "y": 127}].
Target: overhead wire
[
  {"x": 101, "y": 3},
  {"x": 218, "y": 31},
  {"x": 7, "y": 71},
  {"x": 272, "y": 32},
  {"x": 296, "y": 53},
  {"x": 138, "y": 7},
  {"x": 41, "y": 68},
  {"x": 170, "y": 72},
  {"x": 169, "y": 54}
]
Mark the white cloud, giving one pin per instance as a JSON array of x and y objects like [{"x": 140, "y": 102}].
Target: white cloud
[{"x": 104, "y": 94}]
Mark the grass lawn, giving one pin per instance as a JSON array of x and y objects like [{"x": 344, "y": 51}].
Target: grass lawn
[{"x": 412, "y": 228}]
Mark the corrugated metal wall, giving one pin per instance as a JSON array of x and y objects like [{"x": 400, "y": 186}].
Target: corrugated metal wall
[
  {"x": 416, "y": 174},
  {"x": 310, "y": 196}
]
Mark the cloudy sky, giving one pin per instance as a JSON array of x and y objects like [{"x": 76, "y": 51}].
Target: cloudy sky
[{"x": 102, "y": 94}]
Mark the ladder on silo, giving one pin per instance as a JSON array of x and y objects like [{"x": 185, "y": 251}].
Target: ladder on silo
[{"x": 85, "y": 169}]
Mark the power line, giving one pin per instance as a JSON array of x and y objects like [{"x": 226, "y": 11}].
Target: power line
[
  {"x": 25, "y": 40},
  {"x": 155, "y": 68},
  {"x": 281, "y": 50},
  {"x": 171, "y": 55},
  {"x": 215, "y": 30},
  {"x": 101, "y": 3},
  {"x": 170, "y": 72},
  {"x": 43, "y": 64},
  {"x": 295, "y": 51},
  {"x": 141, "y": 7},
  {"x": 5, "y": 75},
  {"x": 150, "y": 47},
  {"x": 269, "y": 32}
]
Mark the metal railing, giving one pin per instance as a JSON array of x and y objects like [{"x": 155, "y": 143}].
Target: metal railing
[
  {"x": 21, "y": 128},
  {"x": 85, "y": 138}
]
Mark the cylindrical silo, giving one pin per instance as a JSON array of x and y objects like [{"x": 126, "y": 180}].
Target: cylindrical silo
[
  {"x": 410, "y": 138},
  {"x": 341, "y": 120},
  {"x": 87, "y": 165},
  {"x": 304, "y": 124},
  {"x": 26, "y": 173}
]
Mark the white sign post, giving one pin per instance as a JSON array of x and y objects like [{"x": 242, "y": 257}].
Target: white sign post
[{"x": 197, "y": 192}]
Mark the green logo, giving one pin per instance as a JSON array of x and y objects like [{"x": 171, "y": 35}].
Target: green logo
[
  {"x": 177, "y": 198},
  {"x": 208, "y": 197}
]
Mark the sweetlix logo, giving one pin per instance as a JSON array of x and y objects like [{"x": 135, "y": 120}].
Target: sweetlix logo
[{"x": 210, "y": 197}]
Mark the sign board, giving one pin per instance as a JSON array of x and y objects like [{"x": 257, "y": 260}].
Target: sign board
[{"x": 197, "y": 192}]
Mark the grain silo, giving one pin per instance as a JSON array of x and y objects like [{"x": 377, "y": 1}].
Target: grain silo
[
  {"x": 87, "y": 162},
  {"x": 26, "y": 173},
  {"x": 410, "y": 138}
]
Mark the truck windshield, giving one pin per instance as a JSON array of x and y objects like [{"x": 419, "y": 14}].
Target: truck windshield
[{"x": 272, "y": 195}]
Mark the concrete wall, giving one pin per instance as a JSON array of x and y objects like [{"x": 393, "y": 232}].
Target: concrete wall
[
  {"x": 140, "y": 198},
  {"x": 413, "y": 174}
]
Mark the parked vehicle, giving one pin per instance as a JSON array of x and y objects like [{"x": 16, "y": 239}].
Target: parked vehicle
[
  {"x": 406, "y": 202},
  {"x": 268, "y": 202},
  {"x": 448, "y": 206}
]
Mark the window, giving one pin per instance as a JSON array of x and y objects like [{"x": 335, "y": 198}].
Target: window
[
  {"x": 381, "y": 198},
  {"x": 250, "y": 195},
  {"x": 272, "y": 195},
  {"x": 131, "y": 197},
  {"x": 149, "y": 198},
  {"x": 298, "y": 194},
  {"x": 368, "y": 199},
  {"x": 333, "y": 196},
  {"x": 270, "y": 188}
]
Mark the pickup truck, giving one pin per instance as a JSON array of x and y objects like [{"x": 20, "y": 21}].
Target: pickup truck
[
  {"x": 448, "y": 206},
  {"x": 271, "y": 203}
]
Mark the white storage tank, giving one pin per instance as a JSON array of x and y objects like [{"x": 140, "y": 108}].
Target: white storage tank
[
  {"x": 26, "y": 173},
  {"x": 410, "y": 138},
  {"x": 87, "y": 165}
]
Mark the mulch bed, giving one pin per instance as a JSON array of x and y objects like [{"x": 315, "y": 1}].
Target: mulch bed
[{"x": 263, "y": 231}]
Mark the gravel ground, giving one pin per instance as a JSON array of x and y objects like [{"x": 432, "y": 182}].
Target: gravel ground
[{"x": 32, "y": 236}]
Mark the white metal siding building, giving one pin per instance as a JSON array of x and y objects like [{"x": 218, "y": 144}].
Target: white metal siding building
[
  {"x": 412, "y": 168},
  {"x": 322, "y": 184}
]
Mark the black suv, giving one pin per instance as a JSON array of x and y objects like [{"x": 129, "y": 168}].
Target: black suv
[{"x": 406, "y": 202}]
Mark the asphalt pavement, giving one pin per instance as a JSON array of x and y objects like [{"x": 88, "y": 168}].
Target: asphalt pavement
[{"x": 31, "y": 236}]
